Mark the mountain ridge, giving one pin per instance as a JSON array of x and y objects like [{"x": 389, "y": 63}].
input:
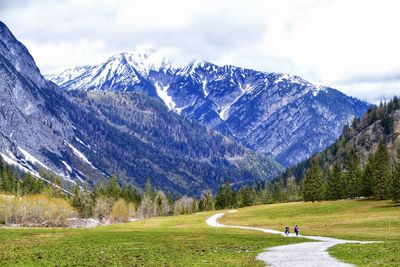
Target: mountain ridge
[
  {"x": 257, "y": 109},
  {"x": 85, "y": 138}
]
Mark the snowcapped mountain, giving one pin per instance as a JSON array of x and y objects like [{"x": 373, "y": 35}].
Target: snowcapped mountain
[
  {"x": 281, "y": 115},
  {"x": 87, "y": 137}
]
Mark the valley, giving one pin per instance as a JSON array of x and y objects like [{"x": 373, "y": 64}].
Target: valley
[{"x": 160, "y": 241}]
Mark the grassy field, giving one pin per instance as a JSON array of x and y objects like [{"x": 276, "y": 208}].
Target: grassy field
[
  {"x": 188, "y": 241},
  {"x": 348, "y": 219},
  {"x": 167, "y": 241}
]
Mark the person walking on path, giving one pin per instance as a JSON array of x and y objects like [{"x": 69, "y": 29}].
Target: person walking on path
[
  {"x": 296, "y": 230},
  {"x": 287, "y": 230}
]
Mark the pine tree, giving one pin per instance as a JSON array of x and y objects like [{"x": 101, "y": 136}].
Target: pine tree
[
  {"x": 292, "y": 189},
  {"x": 280, "y": 194},
  {"x": 396, "y": 179},
  {"x": 383, "y": 173},
  {"x": 202, "y": 205},
  {"x": 194, "y": 206},
  {"x": 1, "y": 167},
  {"x": 113, "y": 189},
  {"x": 149, "y": 191},
  {"x": 224, "y": 197},
  {"x": 368, "y": 177},
  {"x": 335, "y": 183},
  {"x": 29, "y": 184},
  {"x": 353, "y": 174},
  {"x": 313, "y": 183}
]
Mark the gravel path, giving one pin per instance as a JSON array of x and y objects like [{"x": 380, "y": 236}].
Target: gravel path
[{"x": 308, "y": 254}]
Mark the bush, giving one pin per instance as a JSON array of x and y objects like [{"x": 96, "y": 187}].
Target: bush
[
  {"x": 35, "y": 209},
  {"x": 121, "y": 211},
  {"x": 103, "y": 207}
]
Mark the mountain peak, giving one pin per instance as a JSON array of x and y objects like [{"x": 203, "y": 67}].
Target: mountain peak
[{"x": 18, "y": 55}]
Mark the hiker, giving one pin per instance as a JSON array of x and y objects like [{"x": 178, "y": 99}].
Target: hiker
[
  {"x": 287, "y": 230},
  {"x": 296, "y": 230}
]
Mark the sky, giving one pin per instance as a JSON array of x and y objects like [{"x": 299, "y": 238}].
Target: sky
[{"x": 353, "y": 45}]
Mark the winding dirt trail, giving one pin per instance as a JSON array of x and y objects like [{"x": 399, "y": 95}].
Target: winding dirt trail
[{"x": 307, "y": 254}]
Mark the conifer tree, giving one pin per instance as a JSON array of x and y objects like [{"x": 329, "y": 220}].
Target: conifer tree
[
  {"x": 383, "y": 173},
  {"x": 202, "y": 205},
  {"x": 368, "y": 177},
  {"x": 113, "y": 189},
  {"x": 224, "y": 197},
  {"x": 149, "y": 191},
  {"x": 396, "y": 179},
  {"x": 1, "y": 166},
  {"x": 194, "y": 206},
  {"x": 292, "y": 189},
  {"x": 29, "y": 185},
  {"x": 313, "y": 183},
  {"x": 353, "y": 174},
  {"x": 335, "y": 183}
]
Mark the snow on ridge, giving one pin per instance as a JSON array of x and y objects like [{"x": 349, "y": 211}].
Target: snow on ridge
[
  {"x": 31, "y": 158},
  {"x": 162, "y": 92},
  {"x": 79, "y": 154},
  {"x": 11, "y": 160},
  {"x": 67, "y": 166},
  {"x": 224, "y": 111},
  {"x": 204, "y": 86},
  {"x": 81, "y": 142},
  {"x": 318, "y": 88}
]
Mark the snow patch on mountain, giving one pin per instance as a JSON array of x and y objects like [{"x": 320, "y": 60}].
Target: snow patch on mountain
[
  {"x": 162, "y": 92},
  {"x": 79, "y": 154},
  {"x": 258, "y": 109},
  {"x": 31, "y": 158},
  {"x": 67, "y": 166}
]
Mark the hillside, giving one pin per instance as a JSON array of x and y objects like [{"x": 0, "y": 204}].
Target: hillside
[
  {"x": 86, "y": 139},
  {"x": 282, "y": 116},
  {"x": 379, "y": 124}
]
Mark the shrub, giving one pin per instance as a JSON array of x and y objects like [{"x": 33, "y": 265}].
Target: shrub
[
  {"x": 35, "y": 209},
  {"x": 120, "y": 211},
  {"x": 103, "y": 206}
]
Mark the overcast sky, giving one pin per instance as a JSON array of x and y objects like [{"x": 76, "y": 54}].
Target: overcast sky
[{"x": 351, "y": 45}]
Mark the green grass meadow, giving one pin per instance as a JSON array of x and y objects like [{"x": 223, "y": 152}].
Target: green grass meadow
[
  {"x": 164, "y": 241},
  {"x": 346, "y": 219},
  {"x": 187, "y": 241}
]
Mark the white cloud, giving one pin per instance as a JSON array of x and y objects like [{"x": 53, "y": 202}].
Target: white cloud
[{"x": 328, "y": 42}]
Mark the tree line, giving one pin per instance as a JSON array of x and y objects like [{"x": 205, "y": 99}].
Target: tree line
[{"x": 378, "y": 178}]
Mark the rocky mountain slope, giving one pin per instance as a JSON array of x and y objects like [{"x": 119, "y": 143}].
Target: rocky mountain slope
[
  {"x": 282, "y": 116},
  {"x": 379, "y": 124},
  {"x": 87, "y": 137}
]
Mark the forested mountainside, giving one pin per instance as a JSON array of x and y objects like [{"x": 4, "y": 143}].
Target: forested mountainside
[
  {"x": 280, "y": 115},
  {"x": 363, "y": 162},
  {"x": 89, "y": 137}
]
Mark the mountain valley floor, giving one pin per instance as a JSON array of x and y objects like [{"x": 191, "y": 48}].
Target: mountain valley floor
[{"x": 187, "y": 240}]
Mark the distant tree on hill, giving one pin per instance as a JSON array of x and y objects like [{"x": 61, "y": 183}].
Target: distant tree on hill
[
  {"x": 383, "y": 173},
  {"x": 396, "y": 179},
  {"x": 292, "y": 189},
  {"x": 113, "y": 189},
  {"x": 313, "y": 183},
  {"x": 224, "y": 197},
  {"x": 352, "y": 174},
  {"x": 368, "y": 177},
  {"x": 335, "y": 183},
  {"x": 149, "y": 191}
]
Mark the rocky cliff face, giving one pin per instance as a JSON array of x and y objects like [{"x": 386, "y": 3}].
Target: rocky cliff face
[
  {"x": 88, "y": 137},
  {"x": 282, "y": 116}
]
